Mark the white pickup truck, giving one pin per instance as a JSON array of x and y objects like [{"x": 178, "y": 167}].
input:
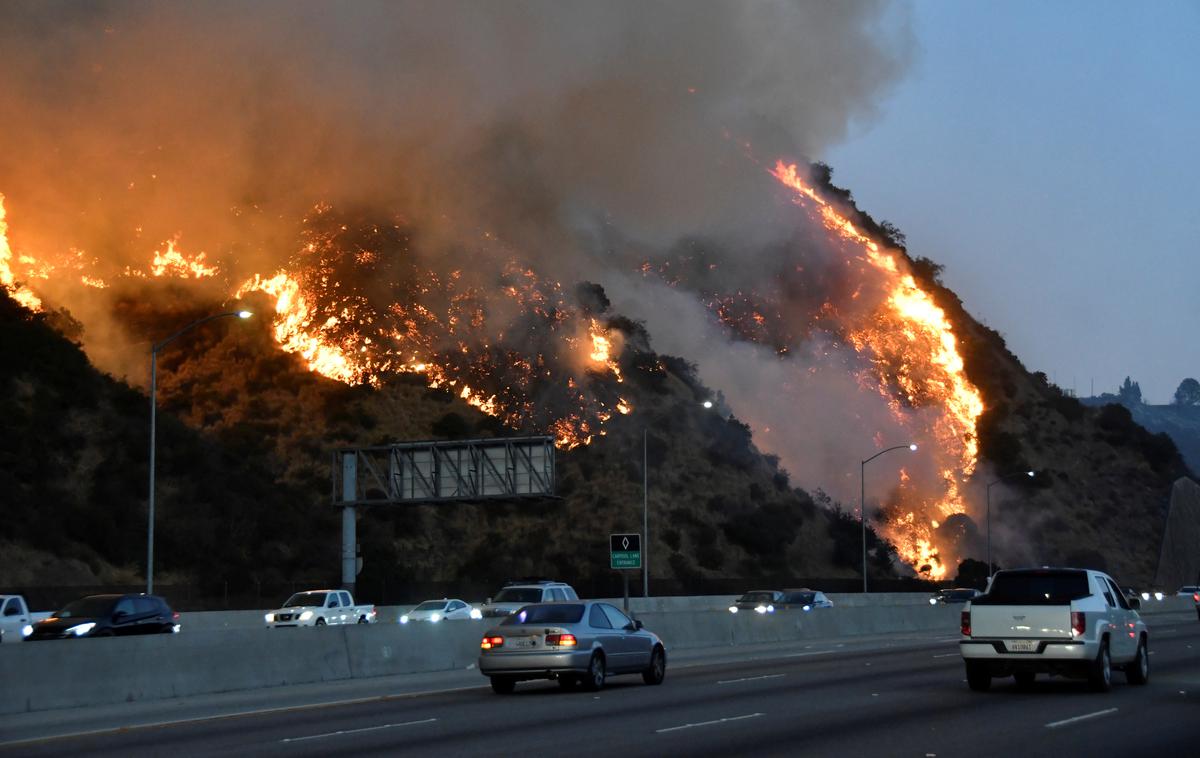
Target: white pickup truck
[
  {"x": 318, "y": 608},
  {"x": 1061, "y": 621},
  {"x": 16, "y": 622}
]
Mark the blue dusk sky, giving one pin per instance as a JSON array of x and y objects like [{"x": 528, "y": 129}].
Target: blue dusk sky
[{"x": 1046, "y": 153}]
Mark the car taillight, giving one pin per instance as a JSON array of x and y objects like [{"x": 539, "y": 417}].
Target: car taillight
[
  {"x": 1196, "y": 597},
  {"x": 490, "y": 642},
  {"x": 965, "y": 624},
  {"x": 561, "y": 639},
  {"x": 175, "y": 615},
  {"x": 1078, "y": 623}
]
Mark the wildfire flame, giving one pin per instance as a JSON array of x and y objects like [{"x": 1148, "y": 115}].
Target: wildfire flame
[
  {"x": 173, "y": 263},
  {"x": 18, "y": 291},
  {"x": 912, "y": 346}
]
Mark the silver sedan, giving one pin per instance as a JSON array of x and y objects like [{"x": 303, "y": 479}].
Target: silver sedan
[{"x": 576, "y": 643}]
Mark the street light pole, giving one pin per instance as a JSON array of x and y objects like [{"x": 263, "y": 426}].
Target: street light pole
[
  {"x": 153, "y": 432},
  {"x": 645, "y": 517},
  {"x": 989, "y": 512},
  {"x": 862, "y": 501}
]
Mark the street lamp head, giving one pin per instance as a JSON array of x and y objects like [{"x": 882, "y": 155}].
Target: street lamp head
[
  {"x": 707, "y": 403},
  {"x": 913, "y": 447},
  {"x": 244, "y": 314},
  {"x": 1029, "y": 474}
]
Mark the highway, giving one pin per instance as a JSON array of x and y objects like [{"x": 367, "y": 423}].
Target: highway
[{"x": 885, "y": 696}]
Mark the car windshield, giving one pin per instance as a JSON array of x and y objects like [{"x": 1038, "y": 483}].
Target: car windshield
[
  {"x": 546, "y": 614},
  {"x": 306, "y": 599},
  {"x": 519, "y": 595},
  {"x": 802, "y": 597},
  {"x": 431, "y": 605},
  {"x": 1035, "y": 588},
  {"x": 88, "y": 608},
  {"x": 757, "y": 597}
]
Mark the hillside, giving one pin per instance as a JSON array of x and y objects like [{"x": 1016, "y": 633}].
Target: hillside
[
  {"x": 246, "y": 431},
  {"x": 245, "y": 434},
  {"x": 1179, "y": 422}
]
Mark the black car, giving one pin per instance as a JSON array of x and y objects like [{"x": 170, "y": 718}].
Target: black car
[
  {"x": 108, "y": 616},
  {"x": 954, "y": 595}
]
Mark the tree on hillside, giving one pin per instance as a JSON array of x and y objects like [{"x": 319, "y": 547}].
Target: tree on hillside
[
  {"x": 1188, "y": 392},
  {"x": 1129, "y": 393}
]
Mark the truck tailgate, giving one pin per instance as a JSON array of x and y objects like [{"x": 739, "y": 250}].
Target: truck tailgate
[{"x": 1039, "y": 621}]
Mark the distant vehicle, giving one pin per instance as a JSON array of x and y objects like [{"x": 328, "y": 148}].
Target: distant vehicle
[
  {"x": 1187, "y": 590},
  {"x": 759, "y": 601},
  {"x": 578, "y": 644},
  {"x": 1155, "y": 594},
  {"x": 1196, "y": 600},
  {"x": 16, "y": 622},
  {"x": 1060, "y": 621},
  {"x": 108, "y": 616},
  {"x": 956, "y": 595},
  {"x": 804, "y": 599},
  {"x": 520, "y": 592},
  {"x": 320, "y": 608},
  {"x": 446, "y": 609}
]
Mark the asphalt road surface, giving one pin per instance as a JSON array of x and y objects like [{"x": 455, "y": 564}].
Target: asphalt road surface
[{"x": 906, "y": 699}]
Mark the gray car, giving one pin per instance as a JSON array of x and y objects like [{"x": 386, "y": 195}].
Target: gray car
[{"x": 577, "y": 643}]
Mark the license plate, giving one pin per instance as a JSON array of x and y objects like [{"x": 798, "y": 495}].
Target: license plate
[
  {"x": 1022, "y": 646},
  {"x": 524, "y": 642}
]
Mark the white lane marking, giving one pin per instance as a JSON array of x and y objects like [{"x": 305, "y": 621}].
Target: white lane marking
[
  {"x": 947, "y": 655},
  {"x": 357, "y": 731},
  {"x": 805, "y": 655},
  {"x": 751, "y": 678},
  {"x": 1064, "y": 722},
  {"x": 708, "y": 723},
  {"x": 947, "y": 639}
]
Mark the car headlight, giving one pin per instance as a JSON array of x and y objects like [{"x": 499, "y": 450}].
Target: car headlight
[
  {"x": 404, "y": 619},
  {"x": 733, "y": 609},
  {"x": 770, "y": 609},
  {"x": 81, "y": 629},
  {"x": 476, "y": 614},
  {"x": 26, "y": 630},
  {"x": 269, "y": 618},
  {"x": 808, "y": 607},
  {"x": 1158, "y": 596},
  {"x": 760, "y": 609},
  {"x": 933, "y": 601},
  {"x": 306, "y": 615},
  {"x": 435, "y": 617}
]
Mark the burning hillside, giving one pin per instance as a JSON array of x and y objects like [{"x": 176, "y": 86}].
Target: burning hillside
[{"x": 356, "y": 303}]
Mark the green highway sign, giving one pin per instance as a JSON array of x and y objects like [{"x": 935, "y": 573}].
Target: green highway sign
[{"x": 625, "y": 551}]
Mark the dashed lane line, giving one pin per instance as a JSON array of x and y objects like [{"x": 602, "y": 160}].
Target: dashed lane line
[
  {"x": 1084, "y": 717},
  {"x": 341, "y": 732},
  {"x": 751, "y": 678},
  {"x": 708, "y": 723}
]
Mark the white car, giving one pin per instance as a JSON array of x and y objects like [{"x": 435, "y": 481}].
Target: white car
[
  {"x": 320, "y": 608},
  {"x": 1059, "y": 621},
  {"x": 446, "y": 609}
]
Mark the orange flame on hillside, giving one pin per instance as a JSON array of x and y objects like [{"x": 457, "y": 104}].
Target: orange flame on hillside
[
  {"x": 18, "y": 291},
  {"x": 171, "y": 262},
  {"x": 913, "y": 348}
]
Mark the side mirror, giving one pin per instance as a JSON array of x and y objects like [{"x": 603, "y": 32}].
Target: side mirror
[
  {"x": 488, "y": 601},
  {"x": 1135, "y": 603},
  {"x": 637, "y": 624}
]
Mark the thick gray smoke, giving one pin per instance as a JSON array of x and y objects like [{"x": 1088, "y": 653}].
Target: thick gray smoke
[{"x": 546, "y": 125}]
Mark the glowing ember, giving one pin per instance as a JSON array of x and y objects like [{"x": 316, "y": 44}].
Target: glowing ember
[{"x": 912, "y": 346}]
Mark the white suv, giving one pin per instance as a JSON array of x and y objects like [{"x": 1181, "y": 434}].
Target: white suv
[
  {"x": 517, "y": 594},
  {"x": 1061, "y": 621}
]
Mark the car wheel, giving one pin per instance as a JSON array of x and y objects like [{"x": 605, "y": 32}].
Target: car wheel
[
  {"x": 1100, "y": 671},
  {"x": 658, "y": 667},
  {"x": 979, "y": 676},
  {"x": 319, "y": 622},
  {"x": 1024, "y": 679},
  {"x": 593, "y": 680},
  {"x": 1138, "y": 670},
  {"x": 503, "y": 685}
]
